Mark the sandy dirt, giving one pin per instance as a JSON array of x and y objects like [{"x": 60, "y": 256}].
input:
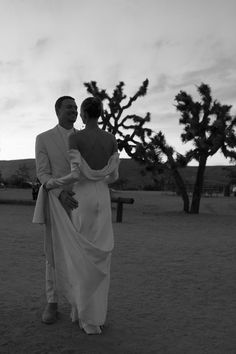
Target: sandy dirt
[{"x": 173, "y": 282}]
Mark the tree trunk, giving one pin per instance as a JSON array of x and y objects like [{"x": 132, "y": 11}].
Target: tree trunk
[
  {"x": 182, "y": 189},
  {"x": 197, "y": 192},
  {"x": 180, "y": 183}
]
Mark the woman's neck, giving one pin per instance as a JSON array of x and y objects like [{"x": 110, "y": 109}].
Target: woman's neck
[{"x": 92, "y": 125}]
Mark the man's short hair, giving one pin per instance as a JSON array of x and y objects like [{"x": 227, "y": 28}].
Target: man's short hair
[
  {"x": 60, "y": 100},
  {"x": 93, "y": 106}
]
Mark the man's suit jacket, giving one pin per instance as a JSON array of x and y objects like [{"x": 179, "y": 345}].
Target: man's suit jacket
[{"x": 52, "y": 159}]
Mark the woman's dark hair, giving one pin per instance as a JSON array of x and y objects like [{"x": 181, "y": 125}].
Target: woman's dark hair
[
  {"x": 93, "y": 107},
  {"x": 60, "y": 100}
]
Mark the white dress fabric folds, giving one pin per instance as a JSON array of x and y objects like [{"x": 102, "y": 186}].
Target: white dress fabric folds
[{"x": 82, "y": 242}]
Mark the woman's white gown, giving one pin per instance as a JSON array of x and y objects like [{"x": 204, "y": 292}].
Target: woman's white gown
[{"x": 83, "y": 241}]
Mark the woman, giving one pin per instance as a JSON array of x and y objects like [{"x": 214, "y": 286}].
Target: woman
[{"x": 82, "y": 249}]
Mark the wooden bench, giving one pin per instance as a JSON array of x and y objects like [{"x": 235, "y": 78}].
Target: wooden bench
[{"x": 120, "y": 201}]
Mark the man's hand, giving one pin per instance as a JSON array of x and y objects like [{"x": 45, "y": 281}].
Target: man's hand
[{"x": 67, "y": 200}]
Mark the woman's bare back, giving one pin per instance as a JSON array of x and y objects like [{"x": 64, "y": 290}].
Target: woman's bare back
[{"x": 95, "y": 145}]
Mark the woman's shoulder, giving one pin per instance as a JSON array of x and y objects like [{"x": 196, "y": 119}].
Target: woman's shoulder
[
  {"x": 76, "y": 135},
  {"x": 74, "y": 139},
  {"x": 110, "y": 139},
  {"x": 108, "y": 134}
]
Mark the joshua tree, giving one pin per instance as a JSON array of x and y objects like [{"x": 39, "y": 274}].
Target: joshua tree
[
  {"x": 207, "y": 124},
  {"x": 129, "y": 129},
  {"x": 210, "y": 127},
  {"x": 152, "y": 156}
]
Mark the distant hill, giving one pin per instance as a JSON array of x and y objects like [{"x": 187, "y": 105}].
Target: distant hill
[
  {"x": 130, "y": 173},
  {"x": 9, "y": 168},
  {"x": 213, "y": 175}
]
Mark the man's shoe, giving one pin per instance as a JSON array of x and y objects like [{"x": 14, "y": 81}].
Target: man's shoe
[{"x": 50, "y": 313}]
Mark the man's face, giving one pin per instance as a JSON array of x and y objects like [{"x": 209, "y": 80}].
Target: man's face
[{"x": 67, "y": 113}]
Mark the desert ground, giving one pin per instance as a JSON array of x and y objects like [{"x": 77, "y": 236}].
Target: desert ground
[{"x": 173, "y": 281}]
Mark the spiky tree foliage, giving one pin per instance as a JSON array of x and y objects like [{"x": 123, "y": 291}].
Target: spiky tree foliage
[
  {"x": 129, "y": 129},
  {"x": 210, "y": 127},
  {"x": 152, "y": 155}
]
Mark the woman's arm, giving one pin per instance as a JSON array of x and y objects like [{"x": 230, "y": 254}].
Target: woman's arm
[
  {"x": 112, "y": 177},
  {"x": 72, "y": 177}
]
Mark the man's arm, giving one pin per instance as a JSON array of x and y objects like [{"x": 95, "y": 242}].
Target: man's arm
[
  {"x": 44, "y": 174},
  {"x": 43, "y": 167}
]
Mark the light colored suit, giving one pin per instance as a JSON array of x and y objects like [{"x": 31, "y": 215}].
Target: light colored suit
[{"x": 52, "y": 161}]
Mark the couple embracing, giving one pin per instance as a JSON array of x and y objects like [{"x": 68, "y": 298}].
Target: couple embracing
[{"x": 75, "y": 168}]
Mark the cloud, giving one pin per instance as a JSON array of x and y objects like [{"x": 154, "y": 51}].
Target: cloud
[
  {"x": 220, "y": 70},
  {"x": 9, "y": 104},
  {"x": 161, "y": 85},
  {"x": 162, "y": 43},
  {"x": 10, "y": 63},
  {"x": 42, "y": 43}
]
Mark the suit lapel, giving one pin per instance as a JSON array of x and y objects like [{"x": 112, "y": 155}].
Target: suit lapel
[{"x": 58, "y": 140}]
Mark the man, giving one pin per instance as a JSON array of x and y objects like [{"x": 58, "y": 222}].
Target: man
[{"x": 52, "y": 160}]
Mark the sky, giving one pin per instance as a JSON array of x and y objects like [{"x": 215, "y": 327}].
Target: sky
[{"x": 49, "y": 48}]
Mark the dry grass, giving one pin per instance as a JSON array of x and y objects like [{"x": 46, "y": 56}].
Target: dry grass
[{"x": 172, "y": 288}]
